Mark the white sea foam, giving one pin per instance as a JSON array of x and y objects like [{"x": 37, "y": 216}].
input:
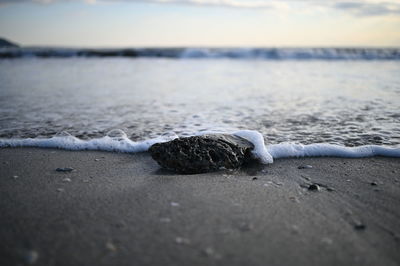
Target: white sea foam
[
  {"x": 260, "y": 152},
  {"x": 117, "y": 141},
  {"x": 285, "y": 150},
  {"x": 107, "y": 143}
]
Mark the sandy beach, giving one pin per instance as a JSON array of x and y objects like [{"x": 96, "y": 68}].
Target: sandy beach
[{"x": 121, "y": 209}]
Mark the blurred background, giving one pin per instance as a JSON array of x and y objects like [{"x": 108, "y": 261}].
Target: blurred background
[{"x": 301, "y": 71}]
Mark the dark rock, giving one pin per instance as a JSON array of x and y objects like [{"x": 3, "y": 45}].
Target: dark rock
[
  {"x": 254, "y": 178},
  {"x": 373, "y": 184},
  {"x": 200, "y": 154},
  {"x": 65, "y": 169}
]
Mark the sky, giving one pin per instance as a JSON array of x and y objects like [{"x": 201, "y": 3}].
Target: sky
[{"x": 199, "y": 23}]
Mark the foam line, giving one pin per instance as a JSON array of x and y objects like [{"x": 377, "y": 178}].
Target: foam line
[
  {"x": 122, "y": 144},
  {"x": 285, "y": 150},
  {"x": 265, "y": 154}
]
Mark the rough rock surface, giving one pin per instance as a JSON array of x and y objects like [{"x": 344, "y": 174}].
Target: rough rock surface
[{"x": 200, "y": 154}]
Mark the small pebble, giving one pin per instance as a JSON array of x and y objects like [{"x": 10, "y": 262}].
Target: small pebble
[
  {"x": 295, "y": 229},
  {"x": 15, "y": 176},
  {"x": 245, "y": 227},
  {"x": 65, "y": 169},
  {"x": 66, "y": 179},
  {"x": 60, "y": 189},
  {"x": 174, "y": 204},
  {"x": 360, "y": 226},
  {"x": 373, "y": 184},
  {"x": 97, "y": 160},
  {"x": 330, "y": 189},
  {"x": 314, "y": 187},
  {"x": 165, "y": 220},
  {"x": 305, "y": 167},
  {"x": 208, "y": 252},
  {"x": 182, "y": 241},
  {"x": 111, "y": 247},
  {"x": 254, "y": 178},
  {"x": 294, "y": 199},
  {"x": 327, "y": 240},
  {"x": 31, "y": 257}
]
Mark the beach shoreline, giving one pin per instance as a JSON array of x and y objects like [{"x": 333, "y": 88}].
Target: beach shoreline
[{"x": 122, "y": 209}]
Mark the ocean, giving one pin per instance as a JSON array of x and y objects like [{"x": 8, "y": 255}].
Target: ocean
[{"x": 335, "y": 97}]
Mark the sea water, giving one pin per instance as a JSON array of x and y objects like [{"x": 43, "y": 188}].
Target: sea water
[{"x": 299, "y": 107}]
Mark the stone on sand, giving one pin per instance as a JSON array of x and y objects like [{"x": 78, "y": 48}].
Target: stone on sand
[{"x": 200, "y": 154}]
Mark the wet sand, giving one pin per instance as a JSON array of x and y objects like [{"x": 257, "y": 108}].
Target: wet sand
[{"x": 121, "y": 209}]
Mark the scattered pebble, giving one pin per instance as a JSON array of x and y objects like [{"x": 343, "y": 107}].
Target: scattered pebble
[
  {"x": 66, "y": 179},
  {"x": 165, "y": 220},
  {"x": 295, "y": 229},
  {"x": 15, "y": 176},
  {"x": 245, "y": 227},
  {"x": 254, "y": 178},
  {"x": 97, "y": 160},
  {"x": 174, "y": 204},
  {"x": 373, "y": 184},
  {"x": 182, "y": 241},
  {"x": 208, "y": 252},
  {"x": 86, "y": 181},
  {"x": 111, "y": 247},
  {"x": 60, "y": 189},
  {"x": 31, "y": 256},
  {"x": 360, "y": 226},
  {"x": 327, "y": 240},
  {"x": 314, "y": 187},
  {"x": 65, "y": 169},
  {"x": 330, "y": 189},
  {"x": 305, "y": 166},
  {"x": 294, "y": 199}
]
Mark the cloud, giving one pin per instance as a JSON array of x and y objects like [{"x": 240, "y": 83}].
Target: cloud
[
  {"x": 369, "y": 8},
  {"x": 355, "y": 7}
]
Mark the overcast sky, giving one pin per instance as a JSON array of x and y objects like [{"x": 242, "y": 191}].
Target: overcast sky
[{"x": 122, "y": 23}]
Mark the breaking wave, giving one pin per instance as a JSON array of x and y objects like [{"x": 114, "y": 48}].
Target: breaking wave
[{"x": 231, "y": 53}]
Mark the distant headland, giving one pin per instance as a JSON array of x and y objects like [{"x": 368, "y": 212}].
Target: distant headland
[{"x": 7, "y": 44}]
